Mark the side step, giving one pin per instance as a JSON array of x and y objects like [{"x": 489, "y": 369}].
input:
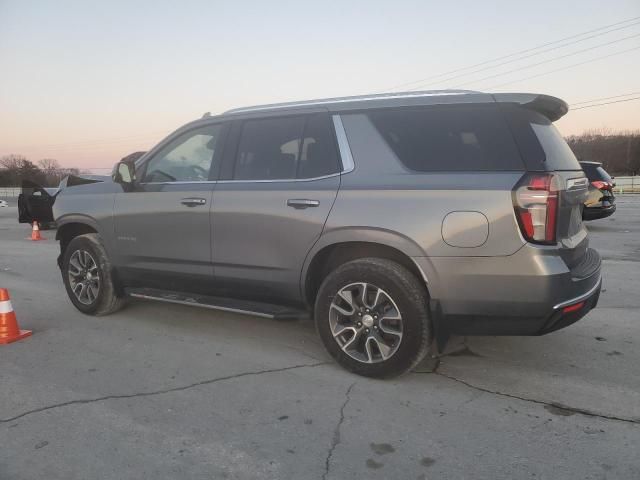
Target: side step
[{"x": 246, "y": 307}]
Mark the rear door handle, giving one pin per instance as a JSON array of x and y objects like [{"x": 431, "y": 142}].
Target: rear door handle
[
  {"x": 193, "y": 201},
  {"x": 301, "y": 203}
]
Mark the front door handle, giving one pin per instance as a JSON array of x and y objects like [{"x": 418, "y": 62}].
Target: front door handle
[
  {"x": 301, "y": 203},
  {"x": 193, "y": 201}
]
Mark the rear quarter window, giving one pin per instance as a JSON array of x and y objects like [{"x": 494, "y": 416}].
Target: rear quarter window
[
  {"x": 453, "y": 138},
  {"x": 540, "y": 143}
]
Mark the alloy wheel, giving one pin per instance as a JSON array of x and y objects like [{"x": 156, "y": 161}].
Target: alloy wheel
[
  {"x": 84, "y": 277},
  {"x": 366, "y": 322}
]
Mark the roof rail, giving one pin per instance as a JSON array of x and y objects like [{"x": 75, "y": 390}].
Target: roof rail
[{"x": 356, "y": 98}]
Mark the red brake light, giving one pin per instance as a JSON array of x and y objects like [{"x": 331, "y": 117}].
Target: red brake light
[
  {"x": 600, "y": 185},
  {"x": 536, "y": 207},
  {"x": 573, "y": 308}
]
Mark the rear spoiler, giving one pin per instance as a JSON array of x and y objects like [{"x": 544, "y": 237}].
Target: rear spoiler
[{"x": 551, "y": 107}]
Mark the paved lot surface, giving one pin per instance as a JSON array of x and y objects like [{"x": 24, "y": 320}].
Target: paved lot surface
[{"x": 169, "y": 392}]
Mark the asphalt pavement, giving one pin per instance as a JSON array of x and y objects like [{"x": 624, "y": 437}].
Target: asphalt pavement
[{"x": 162, "y": 391}]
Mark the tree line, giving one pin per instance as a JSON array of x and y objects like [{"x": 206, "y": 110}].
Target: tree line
[
  {"x": 619, "y": 153},
  {"x": 46, "y": 172}
]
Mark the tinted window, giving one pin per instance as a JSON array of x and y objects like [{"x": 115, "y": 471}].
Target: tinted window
[
  {"x": 318, "y": 156},
  {"x": 449, "y": 139},
  {"x": 186, "y": 158},
  {"x": 540, "y": 143},
  {"x": 558, "y": 155},
  {"x": 269, "y": 149},
  {"x": 602, "y": 173},
  {"x": 595, "y": 171}
]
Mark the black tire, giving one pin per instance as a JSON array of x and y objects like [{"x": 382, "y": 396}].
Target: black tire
[
  {"x": 410, "y": 297},
  {"x": 107, "y": 300}
]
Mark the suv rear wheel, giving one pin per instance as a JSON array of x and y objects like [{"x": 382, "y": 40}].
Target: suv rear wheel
[
  {"x": 372, "y": 317},
  {"x": 86, "y": 272}
]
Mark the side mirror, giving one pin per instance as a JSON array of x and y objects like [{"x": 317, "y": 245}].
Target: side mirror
[{"x": 124, "y": 173}]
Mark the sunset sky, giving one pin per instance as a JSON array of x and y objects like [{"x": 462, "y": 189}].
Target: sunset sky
[{"x": 88, "y": 82}]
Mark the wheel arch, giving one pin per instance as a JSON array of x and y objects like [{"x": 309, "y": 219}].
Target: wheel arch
[
  {"x": 71, "y": 227},
  {"x": 328, "y": 256}
]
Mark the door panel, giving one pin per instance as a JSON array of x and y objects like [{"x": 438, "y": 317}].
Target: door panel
[
  {"x": 260, "y": 242},
  {"x": 161, "y": 241},
  {"x": 163, "y": 227}
]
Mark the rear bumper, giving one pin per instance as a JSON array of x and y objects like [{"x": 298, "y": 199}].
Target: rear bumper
[
  {"x": 595, "y": 213},
  {"x": 522, "y": 294}
]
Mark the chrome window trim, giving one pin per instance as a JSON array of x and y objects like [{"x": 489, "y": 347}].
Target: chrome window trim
[
  {"x": 180, "y": 182},
  {"x": 282, "y": 180},
  {"x": 278, "y": 180},
  {"x": 343, "y": 145}
]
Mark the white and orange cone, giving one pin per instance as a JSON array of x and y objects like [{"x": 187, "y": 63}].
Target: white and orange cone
[
  {"x": 9, "y": 329},
  {"x": 35, "y": 232}
]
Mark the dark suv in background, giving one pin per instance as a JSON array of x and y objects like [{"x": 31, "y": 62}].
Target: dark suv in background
[
  {"x": 391, "y": 218},
  {"x": 600, "y": 202}
]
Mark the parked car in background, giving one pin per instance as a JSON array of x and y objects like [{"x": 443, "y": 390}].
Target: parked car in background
[
  {"x": 601, "y": 202},
  {"x": 3, "y": 203},
  {"x": 392, "y": 219}
]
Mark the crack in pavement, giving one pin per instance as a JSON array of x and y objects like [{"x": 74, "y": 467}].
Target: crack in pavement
[
  {"x": 159, "y": 392},
  {"x": 336, "y": 433},
  {"x": 559, "y": 406}
]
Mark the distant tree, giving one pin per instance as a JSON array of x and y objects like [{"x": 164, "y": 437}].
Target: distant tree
[
  {"x": 619, "y": 152},
  {"x": 49, "y": 164},
  {"x": 16, "y": 168}
]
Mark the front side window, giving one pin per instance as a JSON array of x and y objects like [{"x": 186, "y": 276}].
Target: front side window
[
  {"x": 186, "y": 158},
  {"x": 286, "y": 148}
]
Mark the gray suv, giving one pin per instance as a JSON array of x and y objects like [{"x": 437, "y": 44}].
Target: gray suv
[{"x": 395, "y": 220}]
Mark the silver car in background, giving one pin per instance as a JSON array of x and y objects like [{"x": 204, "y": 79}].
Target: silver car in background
[{"x": 393, "y": 219}]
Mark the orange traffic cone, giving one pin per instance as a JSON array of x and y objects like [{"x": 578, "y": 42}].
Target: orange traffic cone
[
  {"x": 35, "y": 232},
  {"x": 9, "y": 330}
]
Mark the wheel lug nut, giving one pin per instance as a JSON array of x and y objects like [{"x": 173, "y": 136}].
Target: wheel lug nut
[
  {"x": 359, "y": 314},
  {"x": 366, "y": 330}
]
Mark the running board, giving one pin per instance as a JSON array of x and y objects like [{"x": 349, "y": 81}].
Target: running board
[{"x": 246, "y": 307}]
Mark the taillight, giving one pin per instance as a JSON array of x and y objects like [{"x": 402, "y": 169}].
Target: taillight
[
  {"x": 535, "y": 200},
  {"x": 600, "y": 185}
]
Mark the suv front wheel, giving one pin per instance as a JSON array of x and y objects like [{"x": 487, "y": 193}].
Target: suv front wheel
[
  {"x": 86, "y": 272},
  {"x": 372, "y": 317}
]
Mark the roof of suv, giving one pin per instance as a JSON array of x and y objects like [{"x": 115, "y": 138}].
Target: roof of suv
[{"x": 551, "y": 107}]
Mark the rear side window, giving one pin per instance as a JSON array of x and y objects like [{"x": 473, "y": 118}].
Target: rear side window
[
  {"x": 269, "y": 149},
  {"x": 450, "y": 138},
  {"x": 318, "y": 153},
  {"x": 602, "y": 173},
  {"x": 596, "y": 172},
  {"x": 540, "y": 142},
  {"x": 286, "y": 148},
  {"x": 558, "y": 155}
]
